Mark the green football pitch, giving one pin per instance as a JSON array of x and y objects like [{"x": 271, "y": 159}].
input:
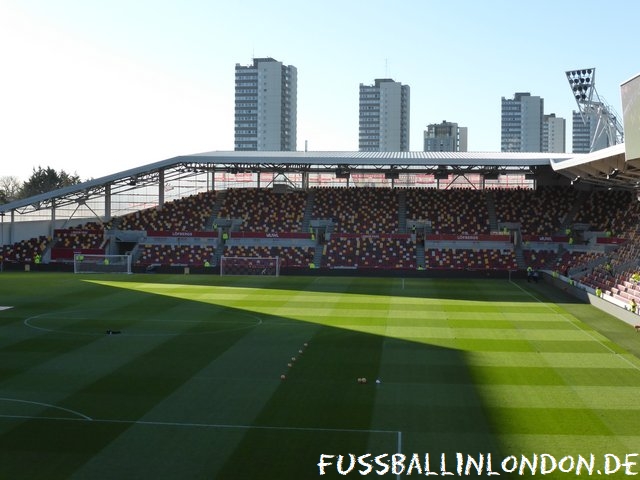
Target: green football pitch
[{"x": 208, "y": 377}]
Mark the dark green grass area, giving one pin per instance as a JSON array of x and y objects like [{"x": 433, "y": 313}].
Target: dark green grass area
[{"x": 191, "y": 387}]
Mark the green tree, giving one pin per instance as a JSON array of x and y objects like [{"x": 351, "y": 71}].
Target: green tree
[{"x": 45, "y": 180}]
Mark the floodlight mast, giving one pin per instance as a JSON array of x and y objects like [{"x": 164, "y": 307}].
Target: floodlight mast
[{"x": 591, "y": 106}]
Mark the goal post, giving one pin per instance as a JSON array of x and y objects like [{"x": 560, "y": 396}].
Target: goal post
[
  {"x": 91, "y": 263},
  {"x": 269, "y": 266}
]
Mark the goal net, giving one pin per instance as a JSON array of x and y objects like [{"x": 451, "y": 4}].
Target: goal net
[
  {"x": 86, "y": 263},
  {"x": 250, "y": 266}
]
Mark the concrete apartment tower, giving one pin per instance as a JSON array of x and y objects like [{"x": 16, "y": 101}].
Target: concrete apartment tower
[
  {"x": 553, "y": 134},
  {"x": 522, "y": 118},
  {"x": 266, "y": 105},
  {"x": 384, "y": 117},
  {"x": 584, "y": 133},
  {"x": 445, "y": 137}
]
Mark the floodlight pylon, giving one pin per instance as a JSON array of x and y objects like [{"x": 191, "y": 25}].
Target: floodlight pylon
[{"x": 592, "y": 107}]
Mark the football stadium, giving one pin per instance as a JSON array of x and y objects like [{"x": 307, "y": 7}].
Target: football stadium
[{"x": 295, "y": 315}]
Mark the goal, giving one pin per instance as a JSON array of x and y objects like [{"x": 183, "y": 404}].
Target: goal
[
  {"x": 90, "y": 263},
  {"x": 250, "y": 266}
]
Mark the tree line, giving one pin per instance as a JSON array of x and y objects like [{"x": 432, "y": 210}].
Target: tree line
[{"x": 42, "y": 180}]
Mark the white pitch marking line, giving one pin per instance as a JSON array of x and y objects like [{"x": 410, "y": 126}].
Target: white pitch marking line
[
  {"x": 46, "y": 405},
  {"x": 27, "y": 323},
  {"x": 197, "y": 425}
]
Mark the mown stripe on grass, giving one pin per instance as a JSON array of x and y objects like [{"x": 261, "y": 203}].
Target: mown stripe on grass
[
  {"x": 321, "y": 390},
  {"x": 225, "y": 394},
  {"x": 139, "y": 373},
  {"x": 562, "y": 444},
  {"x": 556, "y": 421},
  {"x": 541, "y": 396},
  {"x": 555, "y": 376},
  {"x": 551, "y": 359}
]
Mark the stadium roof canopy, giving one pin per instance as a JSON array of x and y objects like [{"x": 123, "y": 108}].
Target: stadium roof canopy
[{"x": 606, "y": 168}]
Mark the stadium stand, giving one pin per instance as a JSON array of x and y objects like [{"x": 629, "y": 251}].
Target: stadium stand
[
  {"x": 538, "y": 212},
  {"x": 290, "y": 257},
  {"x": 363, "y": 210},
  {"x": 88, "y": 238},
  {"x": 471, "y": 259},
  {"x": 460, "y": 211},
  {"x": 263, "y": 210},
  {"x": 187, "y": 214},
  {"x": 175, "y": 255},
  {"x": 369, "y": 228},
  {"x": 575, "y": 260},
  {"x": 597, "y": 208},
  {"x": 541, "y": 259},
  {"x": 373, "y": 251},
  {"x": 25, "y": 251}
]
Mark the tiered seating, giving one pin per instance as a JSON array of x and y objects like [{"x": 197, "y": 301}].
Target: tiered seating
[
  {"x": 24, "y": 251},
  {"x": 471, "y": 259},
  {"x": 599, "y": 278},
  {"x": 185, "y": 214},
  {"x": 294, "y": 256},
  {"x": 571, "y": 259},
  {"x": 441, "y": 258},
  {"x": 625, "y": 222},
  {"x": 597, "y": 209},
  {"x": 626, "y": 288},
  {"x": 540, "y": 259},
  {"x": 89, "y": 236},
  {"x": 539, "y": 212},
  {"x": 610, "y": 280},
  {"x": 371, "y": 252},
  {"x": 364, "y": 210},
  {"x": 167, "y": 255},
  {"x": 289, "y": 256},
  {"x": 459, "y": 211},
  {"x": 365, "y": 219},
  {"x": 264, "y": 210},
  {"x": 628, "y": 252}
]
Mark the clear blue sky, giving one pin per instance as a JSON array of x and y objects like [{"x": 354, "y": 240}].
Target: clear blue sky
[{"x": 94, "y": 87}]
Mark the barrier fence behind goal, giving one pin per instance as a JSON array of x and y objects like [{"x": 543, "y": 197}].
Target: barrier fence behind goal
[
  {"x": 250, "y": 266},
  {"x": 90, "y": 263}
]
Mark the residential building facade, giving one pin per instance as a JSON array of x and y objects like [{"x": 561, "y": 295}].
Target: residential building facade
[
  {"x": 584, "y": 135},
  {"x": 445, "y": 137},
  {"x": 265, "y": 106},
  {"x": 521, "y": 129},
  {"x": 553, "y": 134},
  {"x": 384, "y": 116}
]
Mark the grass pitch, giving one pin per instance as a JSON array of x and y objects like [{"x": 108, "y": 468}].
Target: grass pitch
[{"x": 191, "y": 387}]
